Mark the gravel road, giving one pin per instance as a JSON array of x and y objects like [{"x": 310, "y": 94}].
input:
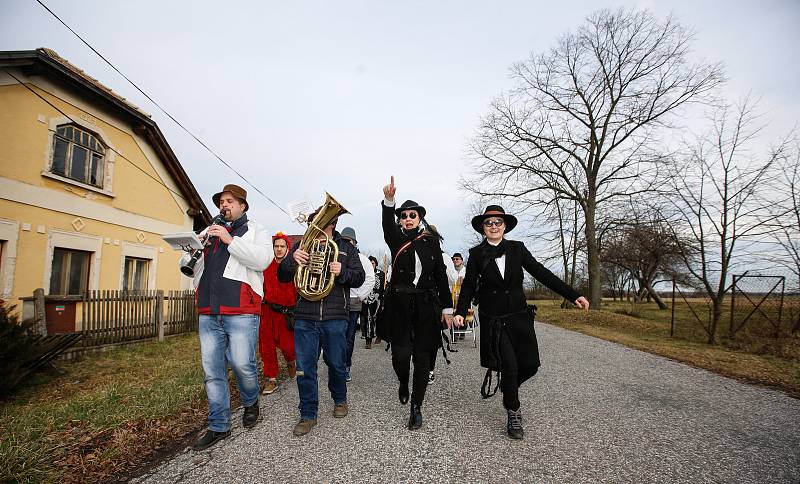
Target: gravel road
[{"x": 595, "y": 412}]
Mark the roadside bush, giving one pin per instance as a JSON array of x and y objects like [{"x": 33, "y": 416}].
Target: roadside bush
[{"x": 18, "y": 348}]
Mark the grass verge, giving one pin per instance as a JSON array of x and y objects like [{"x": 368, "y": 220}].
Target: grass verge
[
  {"x": 104, "y": 416},
  {"x": 652, "y": 335}
]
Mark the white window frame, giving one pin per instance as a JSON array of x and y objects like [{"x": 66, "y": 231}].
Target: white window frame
[
  {"x": 9, "y": 232},
  {"x": 73, "y": 241},
  {"x": 139, "y": 251},
  {"x": 108, "y": 160}
]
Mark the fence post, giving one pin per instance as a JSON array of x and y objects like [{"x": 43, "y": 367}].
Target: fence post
[
  {"x": 733, "y": 306},
  {"x": 672, "y": 319},
  {"x": 160, "y": 314},
  {"x": 39, "y": 312}
]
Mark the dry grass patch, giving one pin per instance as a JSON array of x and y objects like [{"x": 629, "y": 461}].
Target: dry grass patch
[
  {"x": 103, "y": 416},
  {"x": 747, "y": 362}
]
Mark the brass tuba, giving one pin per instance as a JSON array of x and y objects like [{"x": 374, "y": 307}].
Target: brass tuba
[{"x": 314, "y": 280}]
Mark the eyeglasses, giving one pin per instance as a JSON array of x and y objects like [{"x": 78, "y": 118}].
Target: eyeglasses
[
  {"x": 495, "y": 222},
  {"x": 405, "y": 215}
]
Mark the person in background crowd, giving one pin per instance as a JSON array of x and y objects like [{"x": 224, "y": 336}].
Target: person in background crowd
[
  {"x": 357, "y": 297},
  {"x": 371, "y": 305},
  {"x": 277, "y": 318},
  {"x": 451, "y": 274},
  {"x": 457, "y": 278}
]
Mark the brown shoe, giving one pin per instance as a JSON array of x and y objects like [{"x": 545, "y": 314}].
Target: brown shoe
[
  {"x": 291, "y": 368},
  {"x": 368, "y": 345},
  {"x": 304, "y": 426},
  {"x": 340, "y": 410},
  {"x": 270, "y": 387},
  {"x": 377, "y": 341}
]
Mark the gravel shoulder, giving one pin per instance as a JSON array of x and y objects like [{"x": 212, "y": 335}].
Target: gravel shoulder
[{"x": 596, "y": 411}]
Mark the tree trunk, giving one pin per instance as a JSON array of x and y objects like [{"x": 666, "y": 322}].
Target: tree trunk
[
  {"x": 593, "y": 255},
  {"x": 716, "y": 315},
  {"x": 656, "y": 297}
]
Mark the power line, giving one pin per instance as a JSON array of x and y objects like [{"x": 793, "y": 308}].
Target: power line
[
  {"x": 163, "y": 110},
  {"x": 109, "y": 147}
]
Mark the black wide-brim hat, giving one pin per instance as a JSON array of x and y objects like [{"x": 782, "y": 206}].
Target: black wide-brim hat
[
  {"x": 410, "y": 205},
  {"x": 491, "y": 212}
]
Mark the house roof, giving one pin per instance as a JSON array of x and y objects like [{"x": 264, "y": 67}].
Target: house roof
[{"x": 45, "y": 61}]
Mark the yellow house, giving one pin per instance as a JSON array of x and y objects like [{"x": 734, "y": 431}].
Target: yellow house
[{"x": 88, "y": 184}]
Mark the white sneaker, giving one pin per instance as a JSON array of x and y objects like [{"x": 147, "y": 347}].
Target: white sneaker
[{"x": 431, "y": 377}]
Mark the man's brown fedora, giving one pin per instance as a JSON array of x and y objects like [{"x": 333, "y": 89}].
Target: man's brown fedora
[{"x": 235, "y": 190}]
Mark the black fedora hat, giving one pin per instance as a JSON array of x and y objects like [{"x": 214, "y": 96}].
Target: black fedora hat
[
  {"x": 491, "y": 212},
  {"x": 410, "y": 205}
]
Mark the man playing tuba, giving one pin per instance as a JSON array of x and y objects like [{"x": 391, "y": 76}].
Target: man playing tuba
[{"x": 321, "y": 315}]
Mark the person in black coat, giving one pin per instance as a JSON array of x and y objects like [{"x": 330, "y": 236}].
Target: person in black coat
[
  {"x": 417, "y": 296},
  {"x": 495, "y": 279}
]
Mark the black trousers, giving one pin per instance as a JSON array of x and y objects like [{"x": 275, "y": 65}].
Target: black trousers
[
  {"x": 513, "y": 373},
  {"x": 401, "y": 362}
]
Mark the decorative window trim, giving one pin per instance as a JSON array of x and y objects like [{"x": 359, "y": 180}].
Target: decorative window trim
[
  {"x": 71, "y": 240},
  {"x": 75, "y": 182},
  {"x": 109, "y": 159},
  {"x": 139, "y": 251},
  {"x": 9, "y": 231}
]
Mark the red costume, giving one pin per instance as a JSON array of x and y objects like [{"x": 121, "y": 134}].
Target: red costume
[{"x": 273, "y": 331}]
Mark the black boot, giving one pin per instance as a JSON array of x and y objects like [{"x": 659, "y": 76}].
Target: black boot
[
  {"x": 209, "y": 438},
  {"x": 402, "y": 393},
  {"x": 415, "y": 418},
  {"x": 250, "y": 417},
  {"x": 514, "y": 425}
]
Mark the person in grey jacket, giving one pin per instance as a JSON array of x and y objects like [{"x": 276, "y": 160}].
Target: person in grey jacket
[
  {"x": 323, "y": 325},
  {"x": 357, "y": 297}
]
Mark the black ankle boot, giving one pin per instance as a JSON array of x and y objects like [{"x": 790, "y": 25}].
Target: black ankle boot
[
  {"x": 402, "y": 393},
  {"x": 415, "y": 418},
  {"x": 514, "y": 425},
  {"x": 250, "y": 416}
]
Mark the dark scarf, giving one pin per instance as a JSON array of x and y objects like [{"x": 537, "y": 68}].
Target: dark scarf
[
  {"x": 410, "y": 234},
  {"x": 492, "y": 252}
]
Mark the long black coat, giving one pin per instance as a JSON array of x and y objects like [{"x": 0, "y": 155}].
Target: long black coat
[
  {"x": 502, "y": 298},
  {"x": 422, "y": 312}
]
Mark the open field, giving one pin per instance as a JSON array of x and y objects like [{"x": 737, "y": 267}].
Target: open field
[
  {"x": 761, "y": 359},
  {"x": 104, "y": 415}
]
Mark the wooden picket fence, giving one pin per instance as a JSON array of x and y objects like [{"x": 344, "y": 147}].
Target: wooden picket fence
[{"x": 111, "y": 317}]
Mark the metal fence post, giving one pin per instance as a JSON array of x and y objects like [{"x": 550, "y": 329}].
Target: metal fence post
[
  {"x": 733, "y": 306},
  {"x": 672, "y": 319}
]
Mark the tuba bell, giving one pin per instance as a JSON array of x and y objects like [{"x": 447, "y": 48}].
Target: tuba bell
[{"x": 314, "y": 280}]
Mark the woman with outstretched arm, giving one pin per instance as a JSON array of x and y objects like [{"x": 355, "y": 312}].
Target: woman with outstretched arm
[{"x": 494, "y": 277}]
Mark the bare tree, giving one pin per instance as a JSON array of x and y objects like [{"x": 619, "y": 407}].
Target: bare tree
[
  {"x": 718, "y": 202},
  {"x": 645, "y": 246},
  {"x": 580, "y": 121},
  {"x": 787, "y": 234}
]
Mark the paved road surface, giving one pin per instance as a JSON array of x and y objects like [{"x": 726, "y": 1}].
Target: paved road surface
[{"x": 596, "y": 412}]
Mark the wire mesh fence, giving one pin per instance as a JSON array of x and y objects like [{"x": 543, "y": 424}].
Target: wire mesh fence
[{"x": 756, "y": 308}]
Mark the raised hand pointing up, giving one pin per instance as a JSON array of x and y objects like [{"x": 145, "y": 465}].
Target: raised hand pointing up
[{"x": 389, "y": 190}]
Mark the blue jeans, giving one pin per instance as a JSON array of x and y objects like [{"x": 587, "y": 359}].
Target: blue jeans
[
  {"x": 228, "y": 339},
  {"x": 351, "y": 335},
  {"x": 309, "y": 338}
]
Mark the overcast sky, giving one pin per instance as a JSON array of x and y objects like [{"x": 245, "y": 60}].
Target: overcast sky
[{"x": 308, "y": 97}]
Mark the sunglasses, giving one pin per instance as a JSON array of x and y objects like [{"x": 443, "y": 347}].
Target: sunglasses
[
  {"x": 496, "y": 223},
  {"x": 411, "y": 215}
]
